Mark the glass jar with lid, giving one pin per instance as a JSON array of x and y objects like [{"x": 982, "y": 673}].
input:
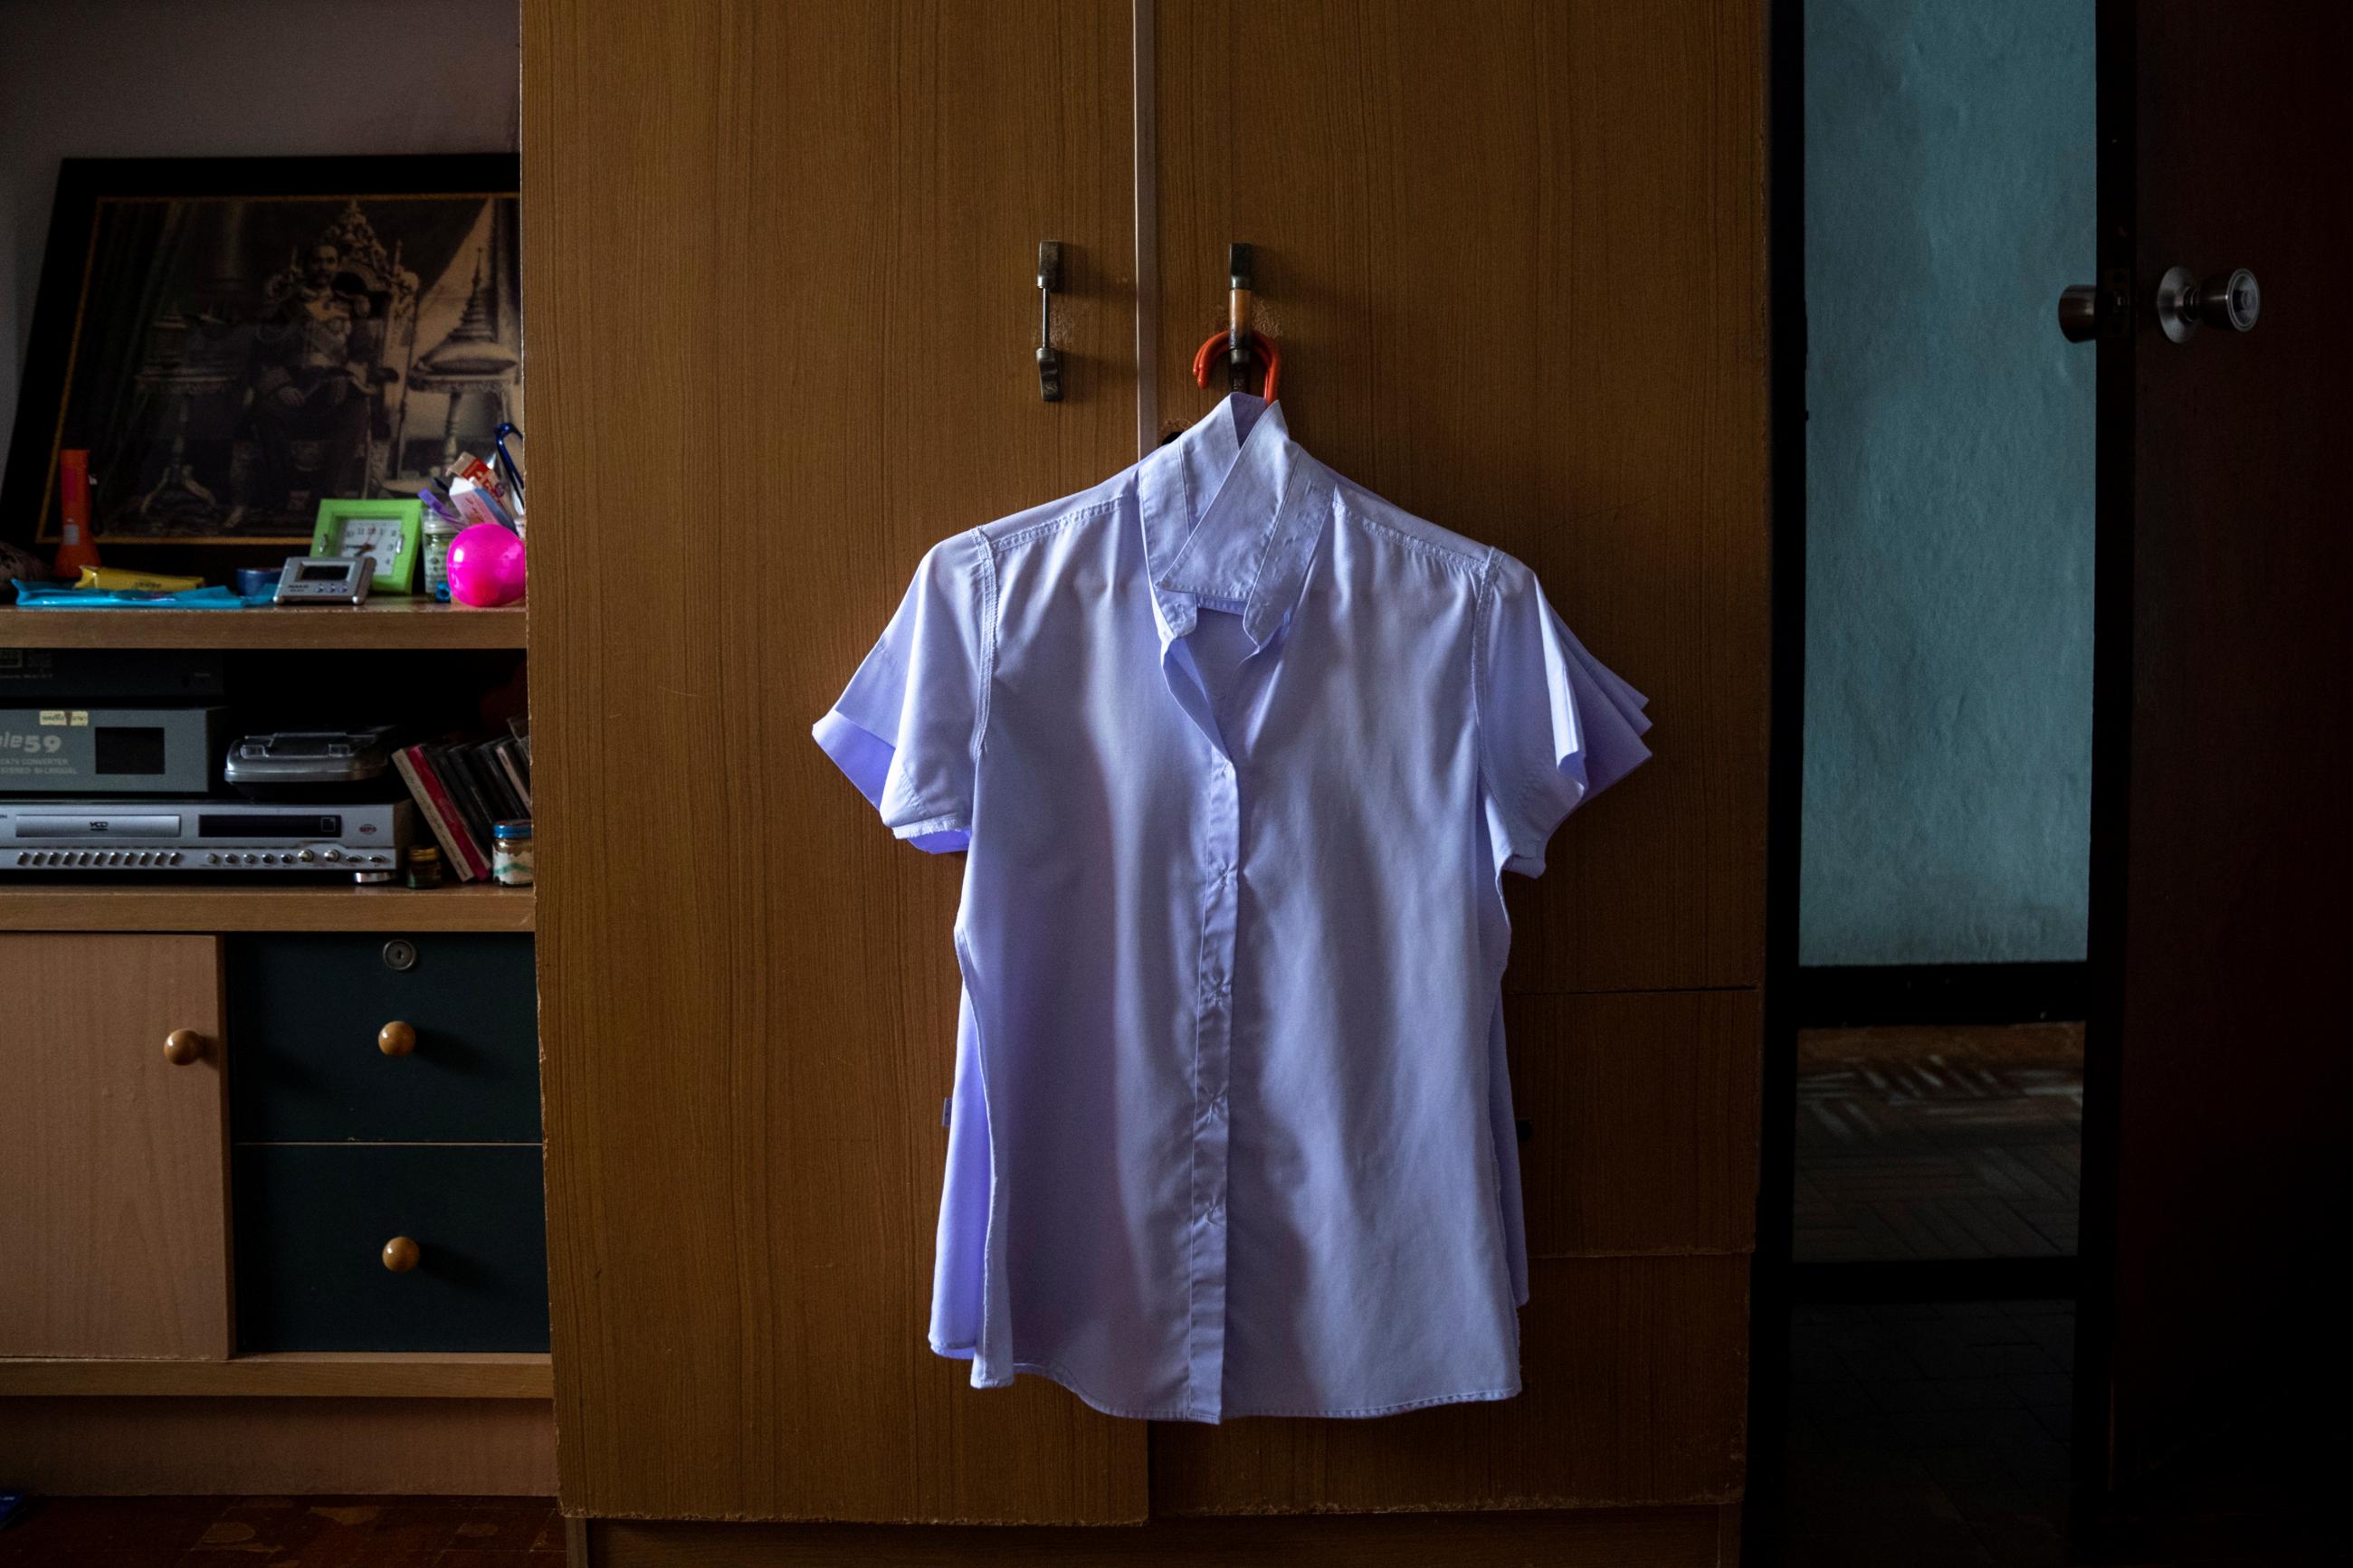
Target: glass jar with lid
[{"x": 511, "y": 853}]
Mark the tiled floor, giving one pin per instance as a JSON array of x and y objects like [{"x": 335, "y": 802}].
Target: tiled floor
[
  {"x": 285, "y": 1533},
  {"x": 1934, "y": 1433},
  {"x": 1938, "y": 1142},
  {"x": 1928, "y": 1436}
]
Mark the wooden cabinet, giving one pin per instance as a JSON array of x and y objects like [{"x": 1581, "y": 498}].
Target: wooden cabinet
[
  {"x": 114, "y": 1220},
  {"x": 1515, "y": 257},
  {"x": 193, "y": 1292},
  {"x": 203, "y": 1151}
]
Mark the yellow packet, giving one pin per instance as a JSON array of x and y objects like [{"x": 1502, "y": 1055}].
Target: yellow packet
[{"x": 119, "y": 577}]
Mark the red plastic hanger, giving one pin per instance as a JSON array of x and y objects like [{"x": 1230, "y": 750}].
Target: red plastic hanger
[{"x": 1258, "y": 345}]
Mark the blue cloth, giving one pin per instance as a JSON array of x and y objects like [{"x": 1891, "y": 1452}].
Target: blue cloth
[
  {"x": 52, "y": 596},
  {"x": 1240, "y": 752}
]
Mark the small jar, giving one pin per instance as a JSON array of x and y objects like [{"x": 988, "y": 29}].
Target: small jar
[
  {"x": 424, "y": 866},
  {"x": 511, "y": 853},
  {"x": 438, "y": 533}
]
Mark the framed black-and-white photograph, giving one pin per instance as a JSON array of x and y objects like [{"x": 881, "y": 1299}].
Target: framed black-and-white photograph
[{"x": 235, "y": 341}]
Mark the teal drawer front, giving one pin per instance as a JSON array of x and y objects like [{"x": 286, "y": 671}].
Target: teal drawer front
[
  {"x": 304, "y": 1013},
  {"x": 313, "y": 1221}
]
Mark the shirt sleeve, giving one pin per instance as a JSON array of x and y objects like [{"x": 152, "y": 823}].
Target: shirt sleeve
[
  {"x": 906, "y": 729},
  {"x": 1555, "y": 726}
]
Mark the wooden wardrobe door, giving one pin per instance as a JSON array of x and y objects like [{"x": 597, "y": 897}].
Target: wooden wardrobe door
[
  {"x": 113, "y": 1182},
  {"x": 1514, "y": 257},
  {"x": 780, "y": 267}
]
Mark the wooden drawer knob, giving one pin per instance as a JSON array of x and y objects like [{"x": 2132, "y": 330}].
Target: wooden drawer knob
[
  {"x": 182, "y": 1047},
  {"x": 396, "y": 1038},
  {"x": 400, "y": 1255}
]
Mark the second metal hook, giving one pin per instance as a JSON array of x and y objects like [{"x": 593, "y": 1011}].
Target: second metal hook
[{"x": 1050, "y": 283}]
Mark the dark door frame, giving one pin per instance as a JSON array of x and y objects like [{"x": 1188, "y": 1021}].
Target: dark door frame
[
  {"x": 1769, "y": 1282},
  {"x": 2101, "y": 979},
  {"x": 2113, "y": 510}
]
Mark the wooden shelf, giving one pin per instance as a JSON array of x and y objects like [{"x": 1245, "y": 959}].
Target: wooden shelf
[
  {"x": 331, "y": 1376},
  {"x": 378, "y": 624},
  {"x": 191, "y": 906}
]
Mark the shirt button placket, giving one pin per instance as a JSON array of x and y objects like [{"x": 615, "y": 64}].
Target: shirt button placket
[{"x": 1213, "y": 1035}]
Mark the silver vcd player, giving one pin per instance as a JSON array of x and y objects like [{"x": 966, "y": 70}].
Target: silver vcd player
[{"x": 362, "y": 841}]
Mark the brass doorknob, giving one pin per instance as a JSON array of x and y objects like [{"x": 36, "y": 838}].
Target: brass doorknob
[
  {"x": 396, "y": 1038},
  {"x": 182, "y": 1047},
  {"x": 400, "y": 1255}
]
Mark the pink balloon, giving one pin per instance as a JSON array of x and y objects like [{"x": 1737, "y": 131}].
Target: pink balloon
[{"x": 486, "y": 566}]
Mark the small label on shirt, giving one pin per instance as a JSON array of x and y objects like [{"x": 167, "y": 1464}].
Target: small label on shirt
[{"x": 947, "y": 1111}]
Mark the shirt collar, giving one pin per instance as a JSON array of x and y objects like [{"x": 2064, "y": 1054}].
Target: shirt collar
[{"x": 1232, "y": 512}]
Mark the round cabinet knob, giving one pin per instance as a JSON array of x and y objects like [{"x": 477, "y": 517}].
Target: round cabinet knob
[
  {"x": 182, "y": 1047},
  {"x": 2232, "y": 300},
  {"x": 396, "y": 1038},
  {"x": 401, "y": 1255},
  {"x": 2079, "y": 312}
]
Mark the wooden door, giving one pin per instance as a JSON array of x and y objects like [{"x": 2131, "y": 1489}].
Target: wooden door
[
  {"x": 1514, "y": 255},
  {"x": 113, "y": 1188},
  {"x": 2216, "y": 1073},
  {"x": 780, "y": 269}
]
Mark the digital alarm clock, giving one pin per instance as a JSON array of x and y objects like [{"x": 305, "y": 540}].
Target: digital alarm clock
[{"x": 325, "y": 579}]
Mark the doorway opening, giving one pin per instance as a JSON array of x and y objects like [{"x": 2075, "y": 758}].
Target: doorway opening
[{"x": 1934, "y": 190}]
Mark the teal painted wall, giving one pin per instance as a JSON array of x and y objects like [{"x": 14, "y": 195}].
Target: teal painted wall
[{"x": 1949, "y": 588}]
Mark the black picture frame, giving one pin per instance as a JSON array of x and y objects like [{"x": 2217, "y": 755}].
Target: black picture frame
[{"x": 70, "y": 313}]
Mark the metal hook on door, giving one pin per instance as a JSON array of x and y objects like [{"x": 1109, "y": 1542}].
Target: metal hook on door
[
  {"x": 1239, "y": 341},
  {"x": 1050, "y": 358},
  {"x": 1241, "y": 268}
]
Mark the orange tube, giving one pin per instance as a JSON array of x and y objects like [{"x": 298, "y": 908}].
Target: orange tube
[{"x": 75, "y": 548}]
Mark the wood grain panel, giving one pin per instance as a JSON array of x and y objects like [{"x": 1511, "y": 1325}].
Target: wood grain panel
[
  {"x": 781, "y": 269},
  {"x": 95, "y": 906},
  {"x": 1635, "y": 1372},
  {"x": 377, "y": 626},
  {"x": 1514, "y": 254},
  {"x": 114, "y": 1222},
  {"x": 1600, "y": 1538},
  {"x": 1642, "y": 1118},
  {"x": 103, "y": 1447},
  {"x": 297, "y": 1374}
]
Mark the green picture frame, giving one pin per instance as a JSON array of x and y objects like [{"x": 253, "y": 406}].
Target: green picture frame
[{"x": 391, "y": 530}]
